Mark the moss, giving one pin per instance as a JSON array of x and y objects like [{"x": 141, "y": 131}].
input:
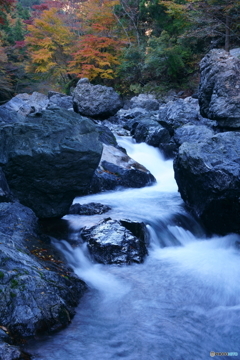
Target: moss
[
  {"x": 1, "y": 275},
  {"x": 13, "y": 295},
  {"x": 14, "y": 283}
]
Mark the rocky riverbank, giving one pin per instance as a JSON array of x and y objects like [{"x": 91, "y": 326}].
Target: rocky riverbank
[{"x": 49, "y": 154}]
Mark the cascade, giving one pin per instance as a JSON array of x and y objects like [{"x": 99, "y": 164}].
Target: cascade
[{"x": 182, "y": 303}]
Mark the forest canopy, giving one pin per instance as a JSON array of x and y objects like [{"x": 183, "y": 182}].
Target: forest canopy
[{"x": 133, "y": 45}]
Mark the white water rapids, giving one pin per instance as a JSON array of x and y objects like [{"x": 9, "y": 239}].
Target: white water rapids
[{"x": 180, "y": 304}]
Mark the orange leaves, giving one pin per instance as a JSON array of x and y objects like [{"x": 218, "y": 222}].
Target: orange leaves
[
  {"x": 98, "y": 48},
  {"x": 49, "y": 43},
  {"x": 97, "y": 56},
  {"x": 60, "y": 48}
]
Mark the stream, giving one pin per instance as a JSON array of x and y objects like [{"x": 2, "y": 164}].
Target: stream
[{"x": 180, "y": 304}]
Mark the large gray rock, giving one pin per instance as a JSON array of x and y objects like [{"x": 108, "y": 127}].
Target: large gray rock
[
  {"x": 26, "y": 104},
  {"x": 59, "y": 100},
  {"x": 49, "y": 159},
  {"x": 38, "y": 292},
  {"x": 208, "y": 177},
  {"x": 96, "y": 101},
  {"x": 151, "y": 132},
  {"x": 178, "y": 113},
  {"x": 117, "y": 169},
  {"x": 146, "y": 101},
  {"x": 219, "y": 89},
  {"x": 192, "y": 133},
  {"x": 117, "y": 242}
]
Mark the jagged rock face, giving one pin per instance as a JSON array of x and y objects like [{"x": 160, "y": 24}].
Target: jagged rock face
[
  {"x": 48, "y": 160},
  {"x": 36, "y": 295},
  {"x": 117, "y": 242},
  {"x": 95, "y": 101},
  {"x": 219, "y": 89},
  {"x": 208, "y": 177},
  {"x": 117, "y": 169},
  {"x": 5, "y": 193}
]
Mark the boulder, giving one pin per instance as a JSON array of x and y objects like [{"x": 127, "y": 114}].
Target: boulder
[
  {"x": 9, "y": 352},
  {"x": 58, "y": 100},
  {"x": 38, "y": 293},
  {"x": 151, "y": 132},
  {"x": 106, "y": 136},
  {"x": 49, "y": 159},
  {"x": 88, "y": 209},
  {"x": 208, "y": 177},
  {"x": 192, "y": 133},
  {"x": 219, "y": 89},
  {"x": 145, "y": 101},
  {"x": 128, "y": 114},
  {"x": 26, "y": 104},
  {"x": 116, "y": 168},
  {"x": 117, "y": 242},
  {"x": 178, "y": 113},
  {"x": 95, "y": 101}
]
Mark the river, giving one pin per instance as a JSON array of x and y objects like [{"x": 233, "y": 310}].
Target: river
[{"x": 180, "y": 304}]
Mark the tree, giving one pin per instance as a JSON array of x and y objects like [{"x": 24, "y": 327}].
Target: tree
[
  {"x": 5, "y": 7},
  {"x": 98, "y": 47},
  {"x": 49, "y": 43},
  {"x": 218, "y": 19},
  {"x": 6, "y": 86}
]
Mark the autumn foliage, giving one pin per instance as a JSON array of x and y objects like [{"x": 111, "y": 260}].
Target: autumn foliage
[{"x": 128, "y": 44}]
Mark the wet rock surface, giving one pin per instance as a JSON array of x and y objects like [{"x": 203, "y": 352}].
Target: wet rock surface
[
  {"x": 38, "y": 292},
  {"x": 116, "y": 168},
  {"x": 88, "y": 209},
  {"x": 117, "y": 242},
  {"x": 95, "y": 101},
  {"x": 5, "y": 193},
  {"x": 219, "y": 89},
  {"x": 48, "y": 160},
  {"x": 9, "y": 352},
  {"x": 208, "y": 177}
]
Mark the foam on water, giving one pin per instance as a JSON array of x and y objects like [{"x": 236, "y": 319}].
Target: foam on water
[{"x": 180, "y": 304}]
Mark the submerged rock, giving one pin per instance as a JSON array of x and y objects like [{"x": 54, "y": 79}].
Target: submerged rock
[
  {"x": 219, "y": 89},
  {"x": 96, "y": 101},
  {"x": 49, "y": 160},
  {"x": 88, "y": 209},
  {"x": 208, "y": 177},
  {"x": 117, "y": 242},
  {"x": 38, "y": 293},
  {"x": 116, "y": 168}
]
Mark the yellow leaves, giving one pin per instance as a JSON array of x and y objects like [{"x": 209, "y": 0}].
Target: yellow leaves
[{"x": 49, "y": 44}]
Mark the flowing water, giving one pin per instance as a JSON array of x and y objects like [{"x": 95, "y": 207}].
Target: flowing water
[{"x": 180, "y": 304}]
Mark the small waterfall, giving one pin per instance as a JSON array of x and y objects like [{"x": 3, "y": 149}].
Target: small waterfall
[{"x": 180, "y": 304}]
